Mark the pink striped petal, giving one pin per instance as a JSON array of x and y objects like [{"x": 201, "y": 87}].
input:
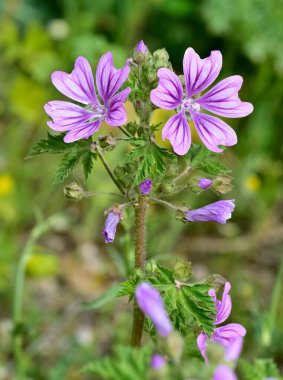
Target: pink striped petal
[
  {"x": 79, "y": 85},
  {"x": 109, "y": 79},
  {"x": 83, "y": 131},
  {"x": 178, "y": 132},
  {"x": 223, "y": 372},
  {"x": 66, "y": 115},
  {"x": 223, "y": 99},
  {"x": 116, "y": 114},
  {"x": 202, "y": 344},
  {"x": 200, "y": 73},
  {"x": 213, "y": 131},
  {"x": 223, "y": 307},
  {"x": 168, "y": 95}
]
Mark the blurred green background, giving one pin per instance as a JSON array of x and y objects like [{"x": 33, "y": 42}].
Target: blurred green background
[{"x": 71, "y": 264}]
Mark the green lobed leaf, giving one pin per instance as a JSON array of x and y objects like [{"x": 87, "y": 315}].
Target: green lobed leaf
[
  {"x": 126, "y": 364},
  {"x": 52, "y": 144},
  {"x": 185, "y": 303},
  {"x": 74, "y": 152}
]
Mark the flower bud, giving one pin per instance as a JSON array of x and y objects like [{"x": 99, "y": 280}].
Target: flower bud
[
  {"x": 74, "y": 191},
  {"x": 161, "y": 59},
  {"x": 222, "y": 184},
  {"x": 108, "y": 142},
  {"x": 140, "y": 53},
  {"x": 204, "y": 183},
  {"x": 145, "y": 187},
  {"x": 157, "y": 362},
  {"x": 112, "y": 219},
  {"x": 215, "y": 212}
]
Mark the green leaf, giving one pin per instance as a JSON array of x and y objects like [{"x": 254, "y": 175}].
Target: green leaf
[
  {"x": 53, "y": 144},
  {"x": 66, "y": 166},
  {"x": 104, "y": 299},
  {"x": 185, "y": 303},
  {"x": 74, "y": 152},
  {"x": 259, "y": 369},
  {"x": 87, "y": 162},
  {"x": 202, "y": 158},
  {"x": 152, "y": 160},
  {"x": 126, "y": 364},
  {"x": 214, "y": 167}
]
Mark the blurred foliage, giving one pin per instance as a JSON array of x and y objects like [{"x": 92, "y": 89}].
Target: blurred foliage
[{"x": 38, "y": 37}]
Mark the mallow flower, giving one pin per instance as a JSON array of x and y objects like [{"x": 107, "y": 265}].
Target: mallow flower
[
  {"x": 145, "y": 187},
  {"x": 223, "y": 372},
  {"x": 81, "y": 122},
  {"x": 222, "y": 100},
  {"x": 218, "y": 212},
  {"x": 204, "y": 183},
  {"x": 229, "y": 336},
  {"x": 151, "y": 304},
  {"x": 112, "y": 219}
]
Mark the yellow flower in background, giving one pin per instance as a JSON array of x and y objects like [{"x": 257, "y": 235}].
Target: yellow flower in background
[
  {"x": 6, "y": 184},
  {"x": 252, "y": 182}
]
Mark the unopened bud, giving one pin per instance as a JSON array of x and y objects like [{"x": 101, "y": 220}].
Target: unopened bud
[
  {"x": 107, "y": 142},
  {"x": 74, "y": 191},
  {"x": 140, "y": 53},
  {"x": 222, "y": 184},
  {"x": 161, "y": 59}
]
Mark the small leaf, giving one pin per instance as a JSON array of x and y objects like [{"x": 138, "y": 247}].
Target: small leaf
[
  {"x": 87, "y": 162},
  {"x": 104, "y": 299},
  {"x": 126, "y": 364},
  {"x": 66, "y": 166}
]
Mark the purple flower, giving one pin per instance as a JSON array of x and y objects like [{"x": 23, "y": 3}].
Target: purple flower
[
  {"x": 145, "y": 187},
  {"x": 223, "y": 372},
  {"x": 229, "y": 336},
  {"x": 157, "y": 362},
  {"x": 204, "y": 183},
  {"x": 222, "y": 99},
  {"x": 151, "y": 304},
  {"x": 79, "y": 85},
  {"x": 215, "y": 212},
  {"x": 141, "y": 48},
  {"x": 112, "y": 219}
]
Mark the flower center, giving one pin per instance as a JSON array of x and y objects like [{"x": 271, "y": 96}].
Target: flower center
[
  {"x": 98, "y": 109},
  {"x": 189, "y": 105}
]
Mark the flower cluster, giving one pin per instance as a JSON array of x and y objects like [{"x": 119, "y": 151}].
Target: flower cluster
[{"x": 229, "y": 336}]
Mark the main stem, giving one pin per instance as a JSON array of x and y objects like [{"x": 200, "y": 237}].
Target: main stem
[{"x": 138, "y": 317}]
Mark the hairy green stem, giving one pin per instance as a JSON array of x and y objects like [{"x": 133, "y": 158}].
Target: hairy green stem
[
  {"x": 138, "y": 317},
  {"x": 19, "y": 295},
  {"x": 109, "y": 171},
  {"x": 164, "y": 203}
]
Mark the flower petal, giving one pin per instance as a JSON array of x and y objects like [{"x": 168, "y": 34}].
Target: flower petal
[
  {"x": 234, "y": 350},
  {"x": 151, "y": 304},
  {"x": 223, "y": 307},
  {"x": 82, "y": 132},
  {"x": 223, "y": 99},
  {"x": 226, "y": 335},
  {"x": 223, "y": 372},
  {"x": 79, "y": 85},
  {"x": 200, "y": 73},
  {"x": 66, "y": 115},
  {"x": 178, "y": 132},
  {"x": 108, "y": 78},
  {"x": 168, "y": 94},
  {"x": 116, "y": 113},
  {"x": 213, "y": 131},
  {"x": 202, "y": 344}
]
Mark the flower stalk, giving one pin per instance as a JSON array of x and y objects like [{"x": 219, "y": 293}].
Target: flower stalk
[{"x": 138, "y": 317}]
